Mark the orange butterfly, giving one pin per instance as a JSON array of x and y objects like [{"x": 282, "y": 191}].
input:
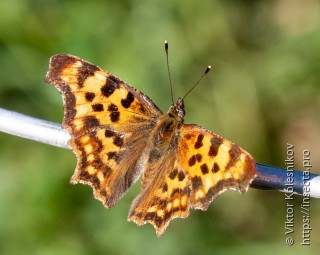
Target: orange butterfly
[{"x": 118, "y": 133}]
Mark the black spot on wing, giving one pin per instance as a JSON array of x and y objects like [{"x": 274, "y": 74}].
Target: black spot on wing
[
  {"x": 128, "y": 100},
  {"x": 199, "y": 143},
  {"x": 196, "y": 182},
  {"x": 86, "y": 70},
  {"x": 112, "y": 108},
  {"x": 109, "y": 133},
  {"x": 165, "y": 187},
  {"x": 110, "y": 86},
  {"x": 234, "y": 154},
  {"x": 89, "y": 96},
  {"x": 112, "y": 154},
  {"x": 199, "y": 157},
  {"x": 173, "y": 174},
  {"x": 181, "y": 176},
  {"x": 118, "y": 140},
  {"x": 214, "y": 147},
  {"x": 204, "y": 168},
  {"x": 91, "y": 122},
  {"x": 97, "y": 107},
  {"x": 215, "y": 167},
  {"x": 192, "y": 160},
  {"x": 114, "y": 116}
]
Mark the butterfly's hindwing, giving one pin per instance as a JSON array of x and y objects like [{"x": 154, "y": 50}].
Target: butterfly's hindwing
[
  {"x": 213, "y": 164},
  {"x": 165, "y": 197}
]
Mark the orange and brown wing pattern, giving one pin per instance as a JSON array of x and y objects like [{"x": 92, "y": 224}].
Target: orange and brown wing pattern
[
  {"x": 109, "y": 161},
  {"x": 213, "y": 165},
  {"x": 95, "y": 98},
  {"x": 198, "y": 168},
  {"x": 117, "y": 132},
  {"x": 109, "y": 122},
  {"x": 165, "y": 197}
]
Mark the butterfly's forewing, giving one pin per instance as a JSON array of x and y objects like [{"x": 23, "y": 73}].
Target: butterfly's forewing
[
  {"x": 94, "y": 98},
  {"x": 213, "y": 165},
  {"x": 109, "y": 122}
]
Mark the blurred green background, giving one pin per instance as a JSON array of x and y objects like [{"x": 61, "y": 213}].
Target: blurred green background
[{"x": 263, "y": 92}]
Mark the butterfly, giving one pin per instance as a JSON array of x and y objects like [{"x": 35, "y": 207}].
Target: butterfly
[{"x": 119, "y": 134}]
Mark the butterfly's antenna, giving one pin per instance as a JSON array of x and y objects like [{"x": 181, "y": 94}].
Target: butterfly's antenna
[
  {"x": 167, "y": 58},
  {"x": 205, "y": 72}
]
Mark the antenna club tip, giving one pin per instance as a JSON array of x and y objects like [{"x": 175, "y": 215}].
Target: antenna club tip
[
  {"x": 166, "y": 45},
  {"x": 208, "y": 69}
]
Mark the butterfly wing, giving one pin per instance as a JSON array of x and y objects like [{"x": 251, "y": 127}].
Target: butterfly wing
[
  {"x": 213, "y": 165},
  {"x": 94, "y": 98},
  {"x": 109, "y": 122},
  {"x": 198, "y": 166},
  {"x": 165, "y": 193}
]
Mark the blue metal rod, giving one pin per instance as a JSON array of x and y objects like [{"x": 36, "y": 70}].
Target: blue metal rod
[{"x": 275, "y": 178}]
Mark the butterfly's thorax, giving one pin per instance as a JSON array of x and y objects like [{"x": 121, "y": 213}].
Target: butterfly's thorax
[
  {"x": 163, "y": 133},
  {"x": 168, "y": 125}
]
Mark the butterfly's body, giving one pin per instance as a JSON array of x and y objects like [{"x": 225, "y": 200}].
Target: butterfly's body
[
  {"x": 167, "y": 127},
  {"x": 118, "y": 133}
]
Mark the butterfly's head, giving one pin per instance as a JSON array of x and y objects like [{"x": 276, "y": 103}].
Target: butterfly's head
[{"x": 177, "y": 111}]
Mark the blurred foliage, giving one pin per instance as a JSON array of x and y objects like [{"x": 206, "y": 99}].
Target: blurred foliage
[{"x": 262, "y": 93}]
